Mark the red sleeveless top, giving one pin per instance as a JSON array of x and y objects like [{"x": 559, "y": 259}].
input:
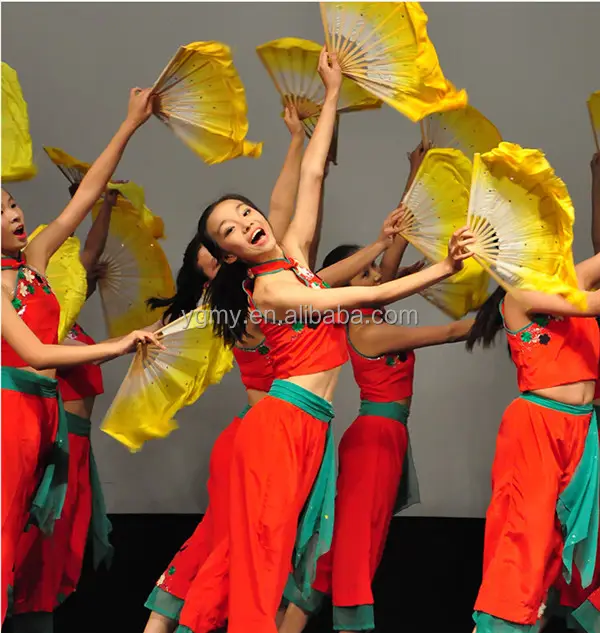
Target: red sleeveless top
[
  {"x": 299, "y": 348},
  {"x": 83, "y": 381},
  {"x": 553, "y": 351},
  {"x": 35, "y": 303},
  {"x": 597, "y": 391},
  {"x": 255, "y": 366},
  {"x": 386, "y": 378}
]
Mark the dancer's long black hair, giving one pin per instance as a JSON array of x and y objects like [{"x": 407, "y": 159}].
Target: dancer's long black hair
[
  {"x": 226, "y": 295},
  {"x": 189, "y": 285},
  {"x": 339, "y": 253},
  {"x": 488, "y": 321}
]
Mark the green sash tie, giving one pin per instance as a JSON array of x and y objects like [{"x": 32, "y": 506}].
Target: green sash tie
[
  {"x": 315, "y": 527},
  {"x": 50, "y": 494},
  {"x": 578, "y": 505},
  {"x": 408, "y": 491},
  {"x": 101, "y": 527}
]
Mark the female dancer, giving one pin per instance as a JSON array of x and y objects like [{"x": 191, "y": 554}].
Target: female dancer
[
  {"x": 252, "y": 355},
  {"x": 374, "y": 457},
  {"x": 543, "y": 516},
  {"x": 34, "y": 444},
  {"x": 280, "y": 444},
  {"x": 48, "y": 569}
]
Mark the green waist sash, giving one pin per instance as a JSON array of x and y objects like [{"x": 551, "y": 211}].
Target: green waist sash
[
  {"x": 243, "y": 412},
  {"x": 408, "y": 491},
  {"x": 50, "y": 494},
  {"x": 315, "y": 527},
  {"x": 101, "y": 526},
  {"x": 578, "y": 505}
]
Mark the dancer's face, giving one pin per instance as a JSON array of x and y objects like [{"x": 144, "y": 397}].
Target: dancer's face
[
  {"x": 207, "y": 263},
  {"x": 370, "y": 276},
  {"x": 14, "y": 237},
  {"x": 241, "y": 232}
]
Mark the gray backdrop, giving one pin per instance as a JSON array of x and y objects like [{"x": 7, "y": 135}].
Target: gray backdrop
[{"x": 528, "y": 67}]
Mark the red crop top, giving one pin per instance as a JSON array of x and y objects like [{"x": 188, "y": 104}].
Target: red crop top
[
  {"x": 83, "y": 381},
  {"x": 386, "y": 378},
  {"x": 553, "y": 351},
  {"x": 597, "y": 391},
  {"x": 299, "y": 348},
  {"x": 35, "y": 303},
  {"x": 255, "y": 366}
]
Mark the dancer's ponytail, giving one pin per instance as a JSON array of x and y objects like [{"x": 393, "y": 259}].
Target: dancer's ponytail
[
  {"x": 488, "y": 321},
  {"x": 190, "y": 286}
]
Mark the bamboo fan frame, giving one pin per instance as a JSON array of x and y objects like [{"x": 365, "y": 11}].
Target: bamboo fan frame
[
  {"x": 349, "y": 55},
  {"x": 73, "y": 174}
]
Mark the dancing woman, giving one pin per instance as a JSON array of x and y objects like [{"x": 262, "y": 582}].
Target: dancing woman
[
  {"x": 48, "y": 569},
  {"x": 543, "y": 516},
  {"x": 375, "y": 464},
  {"x": 280, "y": 445},
  {"x": 34, "y": 441}
]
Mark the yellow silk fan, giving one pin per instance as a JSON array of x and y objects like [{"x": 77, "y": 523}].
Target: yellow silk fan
[
  {"x": 133, "y": 197},
  {"x": 594, "y": 110},
  {"x": 437, "y": 202},
  {"x": 201, "y": 98},
  {"x": 465, "y": 129},
  {"x": 462, "y": 293},
  {"x": 161, "y": 382},
  {"x": 17, "y": 148},
  {"x": 68, "y": 280},
  {"x": 74, "y": 170},
  {"x": 385, "y": 49},
  {"x": 436, "y": 206},
  {"x": 136, "y": 269},
  {"x": 522, "y": 216},
  {"x": 292, "y": 65}
]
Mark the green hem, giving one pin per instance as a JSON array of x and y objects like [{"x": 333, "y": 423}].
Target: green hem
[
  {"x": 358, "y": 618},
  {"x": 165, "y": 603}
]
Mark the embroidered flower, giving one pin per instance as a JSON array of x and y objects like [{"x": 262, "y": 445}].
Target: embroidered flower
[
  {"x": 402, "y": 357},
  {"x": 161, "y": 580},
  {"x": 390, "y": 361},
  {"x": 526, "y": 336},
  {"x": 544, "y": 339},
  {"x": 17, "y": 304},
  {"x": 28, "y": 274},
  {"x": 263, "y": 349},
  {"x": 171, "y": 570},
  {"x": 23, "y": 289},
  {"x": 298, "y": 326},
  {"x": 46, "y": 288},
  {"x": 21, "y": 312},
  {"x": 541, "y": 319}
]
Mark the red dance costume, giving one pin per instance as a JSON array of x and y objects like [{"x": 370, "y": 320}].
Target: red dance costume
[
  {"x": 173, "y": 586},
  {"x": 29, "y": 420},
  {"x": 371, "y": 458},
  {"x": 49, "y": 569},
  {"x": 538, "y": 450},
  {"x": 277, "y": 455}
]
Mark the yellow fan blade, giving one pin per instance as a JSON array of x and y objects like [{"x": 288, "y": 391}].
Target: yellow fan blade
[
  {"x": 437, "y": 202},
  {"x": 201, "y": 98},
  {"x": 522, "y": 216},
  {"x": 161, "y": 382},
  {"x": 136, "y": 268},
  {"x": 74, "y": 170},
  {"x": 385, "y": 49},
  {"x": 17, "y": 147},
  {"x": 594, "y": 110},
  {"x": 465, "y": 129},
  {"x": 292, "y": 65},
  {"x": 68, "y": 280},
  {"x": 462, "y": 293}
]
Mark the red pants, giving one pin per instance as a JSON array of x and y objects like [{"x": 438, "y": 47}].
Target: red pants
[
  {"x": 371, "y": 456},
  {"x": 48, "y": 569},
  {"x": 537, "y": 452},
  {"x": 214, "y": 526},
  {"x": 277, "y": 454},
  {"x": 29, "y": 425}
]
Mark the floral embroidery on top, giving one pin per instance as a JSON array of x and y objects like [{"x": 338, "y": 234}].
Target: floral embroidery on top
[
  {"x": 263, "y": 349},
  {"x": 536, "y": 332},
  {"x": 391, "y": 359}
]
